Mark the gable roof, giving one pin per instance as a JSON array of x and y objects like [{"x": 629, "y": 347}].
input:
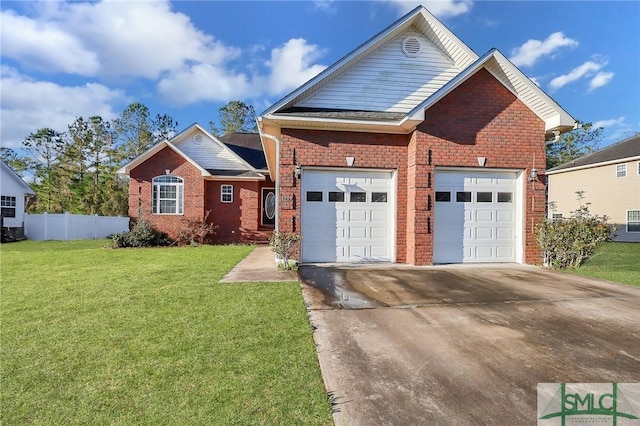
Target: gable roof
[
  {"x": 314, "y": 105},
  {"x": 623, "y": 151},
  {"x": 248, "y": 146},
  {"x": 206, "y": 153},
  {"x": 10, "y": 172},
  {"x": 419, "y": 20}
]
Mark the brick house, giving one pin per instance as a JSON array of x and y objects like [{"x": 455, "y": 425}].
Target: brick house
[
  {"x": 413, "y": 149},
  {"x": 195, "y": 173}
]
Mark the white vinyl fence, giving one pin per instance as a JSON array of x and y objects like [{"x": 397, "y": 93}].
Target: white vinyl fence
[{"x": 72, "y": 226}]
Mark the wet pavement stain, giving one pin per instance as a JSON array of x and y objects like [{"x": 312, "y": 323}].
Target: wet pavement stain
[{"x": 335, "y": 288}]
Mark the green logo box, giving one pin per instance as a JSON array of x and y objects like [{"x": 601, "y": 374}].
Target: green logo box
[{"x": 577, "y": 404}]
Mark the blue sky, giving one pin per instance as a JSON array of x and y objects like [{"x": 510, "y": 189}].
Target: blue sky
[{"x": 61, "y": 60}]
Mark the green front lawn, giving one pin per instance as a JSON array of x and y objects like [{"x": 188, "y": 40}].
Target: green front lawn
[
  {"x": 618, "y": 262},
  {"x": 91, "y": 335}
]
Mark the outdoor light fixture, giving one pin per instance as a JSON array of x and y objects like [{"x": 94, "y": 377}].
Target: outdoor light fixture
[
  {"x": 297, "y": 172},
  {"x": 533, "y": 174}
]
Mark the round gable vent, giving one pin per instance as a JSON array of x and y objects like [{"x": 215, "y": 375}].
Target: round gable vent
[
  {"x": 411, "y": 46},
  {"x": 197, "y": 139}
]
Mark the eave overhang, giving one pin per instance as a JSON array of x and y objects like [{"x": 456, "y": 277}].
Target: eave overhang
[{"x": 126, "y": 169}]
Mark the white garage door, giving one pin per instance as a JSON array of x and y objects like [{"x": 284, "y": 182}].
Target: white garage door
[
  {"x": 475, "y": 217},
  {"x": 347, "y": 216}
]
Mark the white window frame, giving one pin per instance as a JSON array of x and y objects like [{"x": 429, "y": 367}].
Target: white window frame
[
  {"x": 170, "y": 181},
  {"x": 226, "y": 193},
  {"x": 9, "y": 202},
  {"x": 621, "y": 170},
  {"x": 633, "y": 221}
]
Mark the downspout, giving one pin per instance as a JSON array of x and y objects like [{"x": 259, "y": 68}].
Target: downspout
[{"x": 277, "y": 141}]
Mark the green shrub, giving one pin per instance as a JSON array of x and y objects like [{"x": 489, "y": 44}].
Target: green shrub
[
  {"x": 142, "y": 234},
  {"x": 283, "y": 244},
  {"x": 569, "y": 242},
  {"x": 196, "y": 231}
]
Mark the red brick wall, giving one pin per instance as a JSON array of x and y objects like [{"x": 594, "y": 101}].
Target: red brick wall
[
  {"x": 140, "y": 191},
  {"x": 329, "y": 149},
  {"x": 479, "y": 118},
  {"x": 238, "y": 221}
]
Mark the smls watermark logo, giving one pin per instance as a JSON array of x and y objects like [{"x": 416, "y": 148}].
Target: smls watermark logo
[{"x": 561, "y": 404}]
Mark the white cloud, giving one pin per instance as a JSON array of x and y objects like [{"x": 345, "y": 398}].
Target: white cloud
[
  {"x": 204, "y": 82},
  {"x": 292, "y": 65},
  {"x": 45, "y": 46},
  {"x": 324, "y": 5},
  {"x": 529, "y": 53},
  {"x": 600, "y": 79},
  {"x": 585, "y": 70},
  {"x": 440, "y": 8},
  {"x": 112, "y": 38},
  {"x": 28, "y": 105},
  {"x": 609, "y": 123}
]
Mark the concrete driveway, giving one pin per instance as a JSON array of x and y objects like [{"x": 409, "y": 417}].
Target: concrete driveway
[{"x": 464, "y": 345}]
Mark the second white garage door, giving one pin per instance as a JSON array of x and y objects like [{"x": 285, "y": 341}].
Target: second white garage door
[
  {"x": 347, "y": 216},
  {"x": 476, "y": 217}
]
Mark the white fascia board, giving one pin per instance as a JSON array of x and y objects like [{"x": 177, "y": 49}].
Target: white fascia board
[
  {"x": 216, "y": 140},
  {"x": 353, "y": 56},
  {"x": 590, "y": 166},
  {"x": 370, "y": 126},
  {"x": 124, "y": 170},
  {"x": 356, "y": 55},
  {"x": 560, "y": 120},
  {"x": 236, "y": 178},
  {"x": 17, "y": 178},
  {"x": 563, "y": 118},
  {"x": 203, "y": 171}
]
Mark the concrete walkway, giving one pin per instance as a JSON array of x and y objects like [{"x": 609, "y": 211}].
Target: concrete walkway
[{"x": 259, "y": 265}]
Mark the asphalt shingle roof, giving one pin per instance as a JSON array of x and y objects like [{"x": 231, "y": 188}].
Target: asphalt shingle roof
[
  {"x": 248, "y": 146},
  {"x": 624, "y": 149}
]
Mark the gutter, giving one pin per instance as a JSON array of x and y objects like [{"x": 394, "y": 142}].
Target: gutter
[{"x": 277, "y": 183}]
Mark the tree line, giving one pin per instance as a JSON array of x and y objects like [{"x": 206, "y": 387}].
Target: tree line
[{"x": 75, "y": 170}]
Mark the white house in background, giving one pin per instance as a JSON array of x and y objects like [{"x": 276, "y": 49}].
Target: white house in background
[
  {"x": 13, "y": 192},
  {"x": 610, "y": 181}
]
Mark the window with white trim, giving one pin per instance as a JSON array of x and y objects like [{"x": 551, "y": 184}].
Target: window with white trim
[
  {"x": 621, "y": 170},
  {"x": 633, "y": 220},
  {"x": 8, "y": 206},
  {"x": 226, "y": 193},
  {"x": 168, "y": 195}
]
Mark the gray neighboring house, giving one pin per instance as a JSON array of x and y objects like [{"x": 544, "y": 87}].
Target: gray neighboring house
[
  {"x": 610, "y": 179},
  {"x": 14, "y": 192}
]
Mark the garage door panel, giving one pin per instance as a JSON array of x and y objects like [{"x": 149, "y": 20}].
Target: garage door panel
[
  {"x": 505, "y": 233},
  {"x": 484, "y": 233},
  {"x": 357, "y": 215},
  {"x": 504, "y": 216},
  {"x": 363, "y": 228},
  {"x": 484, "y": 252},
  {"x": 484, "y": 216},
  {"x": 357, "y": 232},
  {"x": 379, "y": 232},
  {"x": 481, "y": 229},
  {"x": 379, "y": 215}
]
